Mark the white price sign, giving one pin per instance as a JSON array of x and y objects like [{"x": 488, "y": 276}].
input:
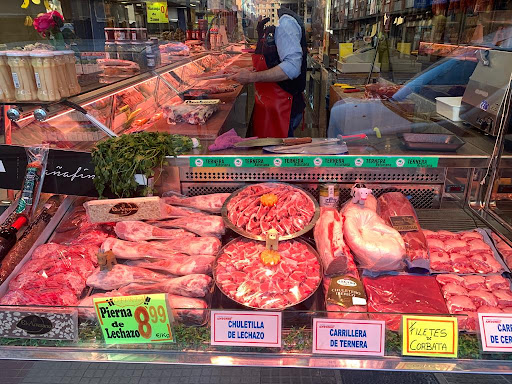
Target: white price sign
[
  {"x": 247, "y": 328},
  {"x": 496, "y": 331}
]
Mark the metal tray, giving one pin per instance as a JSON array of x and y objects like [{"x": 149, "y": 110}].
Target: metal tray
[
  {"x": 431, "y": 142},
  {"x": 249, "y": 235},
  {"x": 310, "y": 248}
]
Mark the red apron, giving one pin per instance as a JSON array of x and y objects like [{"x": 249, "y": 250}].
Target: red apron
[{"x": 272, "y": 105}]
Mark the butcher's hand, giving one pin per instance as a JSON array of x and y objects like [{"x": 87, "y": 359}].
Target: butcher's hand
[{"x": 244, "y": 76}]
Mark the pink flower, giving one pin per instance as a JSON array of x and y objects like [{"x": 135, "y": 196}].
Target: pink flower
[{"x": 46, "y": 22}]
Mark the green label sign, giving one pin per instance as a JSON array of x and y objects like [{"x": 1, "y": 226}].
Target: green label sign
[
  {"x": 135, "y": 319},
  {"x": 313, "y": 161}
]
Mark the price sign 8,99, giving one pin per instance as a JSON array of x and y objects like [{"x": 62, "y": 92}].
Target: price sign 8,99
[{"x": 135, "y": 319}]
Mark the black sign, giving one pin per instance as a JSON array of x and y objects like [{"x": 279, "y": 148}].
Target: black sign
[
  {"x": 35, "y": 325},
  {"x": 404, "y": 223},
  {"x": 68, "y": 172}
]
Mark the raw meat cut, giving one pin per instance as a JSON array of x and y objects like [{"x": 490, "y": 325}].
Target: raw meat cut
[
  {"x": 135, "y": 250},
  {"x": 453, "y": 289},
  {"x": 202, "y": 225},
  {"x": 487, "y": 309},
  {"x": 171, "y": 212},
  {"x": 449, "y": 278},
  {"x": 455, "y": 245},
  {"x": 376, "y": 246},
  {"x": 472, "y": 282},
  {"x": 178, "y": 264},
  {"x": 241, "y": 274},
  {"x": 52, "y": 251},
  {"x": 460, "y": 303},
  {"x": 481, "y": 297},
  {"x": 469, "y": 252},
  {"x": 334, "y": 253},
  {"x": 440, "y": 260},
  {"x": 193, "y": 246},
  {"x": 496, "y": 282},
  {"x": 139, "y": 231},
  {"x": 260, "y": 207},
  {"x": 403, "y": 294},
  {"x": 189, "y": 286},
  {"x": 62, "y": 296},
  {"x": 86, "y": 305},
  {"x": 467, "y": 321},
  {"x": 189, "y": 113},
  {"x": 188, "y": 310},
  {"x": 504, "y": 297},
  {"x": 392, "y": 204},
  {"x": 121, "y": 275},
  {"x": 503, "y": 248},
  {"x": 210, "y": 203}
]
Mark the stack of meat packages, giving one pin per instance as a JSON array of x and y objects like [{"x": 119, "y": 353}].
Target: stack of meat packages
[
  {"x": 173, "y": 255},
  {"x": 57, "y": 272}
]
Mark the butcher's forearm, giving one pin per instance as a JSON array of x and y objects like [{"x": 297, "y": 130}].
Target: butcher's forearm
[{"x": 271, "y": 75}]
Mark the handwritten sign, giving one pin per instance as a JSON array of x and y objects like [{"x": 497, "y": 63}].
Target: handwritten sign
[
  {"x": 496, "y": 331},
  {"x": 301, "y": 161},
  {"x": 135, "y": 319},
  {"x": 157, "y": 12},
  {"x": 430, "y": 336},
  {"x": 348, "y": 337},
  {"x": 249, "y": 329}
]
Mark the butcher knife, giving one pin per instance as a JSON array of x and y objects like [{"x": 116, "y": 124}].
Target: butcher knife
[{"x": 251, "y": 143}]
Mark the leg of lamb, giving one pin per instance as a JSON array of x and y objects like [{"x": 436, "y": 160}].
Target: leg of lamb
[
  {"x": 179, "y": 264},
  {"x": 210, "y": 203},
  {"x": 139, "y": 231},
  {"x": 202, "y": 225},
  {"x": 189, "y": 286},
  {"x": 121, "y": 275}
]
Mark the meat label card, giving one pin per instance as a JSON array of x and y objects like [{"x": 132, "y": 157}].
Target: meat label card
[
  {"x": 496, "y": 332},
  {"x": 349, "y": 337},
  {"x": 431, "y": 336},
  {"x": 58, "y": 325},
  {"x": 248, "y": 329},
  {"x": 314, "y": 161},
  {"x": 135, "y": 319}
]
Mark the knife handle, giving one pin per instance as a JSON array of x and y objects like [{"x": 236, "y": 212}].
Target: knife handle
[{"x": 296, "y": 140}]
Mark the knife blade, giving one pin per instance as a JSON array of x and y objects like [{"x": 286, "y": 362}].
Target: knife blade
[{"x": 273, "y": 141}]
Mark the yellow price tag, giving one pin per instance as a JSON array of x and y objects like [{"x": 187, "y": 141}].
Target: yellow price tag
[{"x": 430, "y": 336}]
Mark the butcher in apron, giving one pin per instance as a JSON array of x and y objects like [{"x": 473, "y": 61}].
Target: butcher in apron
[{"x": 279, "y": 76}]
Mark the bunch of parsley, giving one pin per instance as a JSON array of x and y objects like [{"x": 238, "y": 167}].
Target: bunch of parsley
[{"x": 118, "y": 159}]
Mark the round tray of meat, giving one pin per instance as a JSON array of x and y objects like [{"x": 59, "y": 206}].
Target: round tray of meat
[
  {"x": 253, "y": 210},
  {"x": 249, "y": 274}
]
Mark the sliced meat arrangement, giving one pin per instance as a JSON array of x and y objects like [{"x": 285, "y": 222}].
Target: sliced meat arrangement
[
  {"x": 470, "y": 295},
  {"x": 394, "y": 204},
  {"x": 376, "y": 245},
  {"x": 260, "y": 207},
  {"x": 209, "y": 203},
  {"x": 243, "y": 276},
  {"x": 403, "y": 294},
  {"x": 334, "y": 253},
  {"x": 140, "y": 231},
  {"x": 462, "y": 252},
  {"x": 200, "y": 224}
]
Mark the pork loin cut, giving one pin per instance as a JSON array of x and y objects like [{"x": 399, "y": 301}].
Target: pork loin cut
[{"x": 334, "y": 253}]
